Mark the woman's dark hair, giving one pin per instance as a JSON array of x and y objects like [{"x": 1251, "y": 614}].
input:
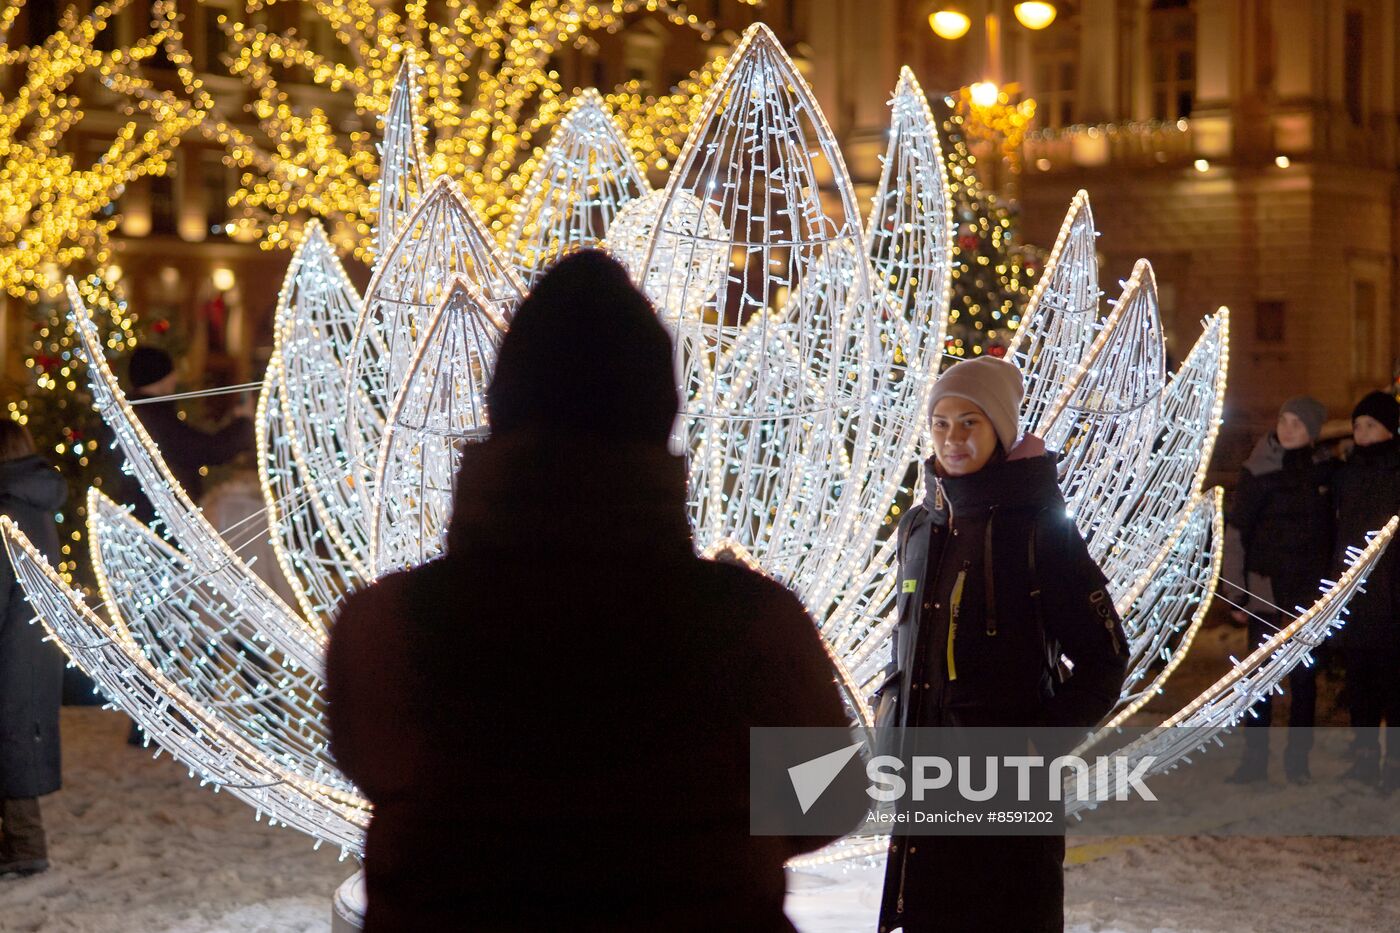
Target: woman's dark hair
[{"x": 15, "y": 441}]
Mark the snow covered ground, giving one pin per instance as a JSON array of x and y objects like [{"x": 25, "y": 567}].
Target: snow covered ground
[{"x": 138, "y": 846}]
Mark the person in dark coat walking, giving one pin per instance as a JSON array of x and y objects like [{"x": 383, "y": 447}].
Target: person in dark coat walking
[
  {"x": 185, "y": 448},
  {"x": 1278, "y": 547},
  {"x": 996, "y": 585},
  {"x": 552, "y": 720},
  {"x": 1367, "y": 495},
  {"x": 31, "y": 669}
]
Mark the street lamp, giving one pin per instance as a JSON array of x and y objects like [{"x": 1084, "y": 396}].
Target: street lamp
[
  {"x": 950, "y": 23},
  {"x": 1035, "y": 14}
]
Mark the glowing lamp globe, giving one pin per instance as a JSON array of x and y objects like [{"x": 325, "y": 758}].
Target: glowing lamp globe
[
  {"x": 1035, "y": 14},
  {"x": 985, "y": 93},
  {"x": 949, "y": 24}
]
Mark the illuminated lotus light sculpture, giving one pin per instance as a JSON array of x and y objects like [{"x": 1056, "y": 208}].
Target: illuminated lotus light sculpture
[{"x": 806, "y": 343}]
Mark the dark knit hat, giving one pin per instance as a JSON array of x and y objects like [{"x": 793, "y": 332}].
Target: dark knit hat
[
  {"x": 1383, "y": 407},
  {"x": 148, "y": 365},
  {"x": 585, "y": 354},
  {"x": 1309, "y": 410}
]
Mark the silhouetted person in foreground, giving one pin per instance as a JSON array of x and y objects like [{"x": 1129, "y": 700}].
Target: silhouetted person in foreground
[
  {"x": 552, "y": 720},
  {"x": 31, "y": 669}
]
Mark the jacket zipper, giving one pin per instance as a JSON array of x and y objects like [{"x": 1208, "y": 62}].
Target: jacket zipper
[
  {"x": 954, "y": 611},
  {"x": 940, "y": 501}
]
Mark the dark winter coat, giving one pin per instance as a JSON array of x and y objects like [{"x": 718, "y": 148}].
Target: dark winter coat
[
  {"x": 31, "y": 669},
  {"x": 1283, "y": 513},
  {"x": 977, "y": 646},
  {"x": 552, "y": 720},
  {"x": 1002, "y": 644},
  {"x": 1367, "y": 494},
  {"x": 185, "y": 449}
]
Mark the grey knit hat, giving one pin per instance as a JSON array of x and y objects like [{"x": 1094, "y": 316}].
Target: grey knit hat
[
  {"x": 1309, "y": 410},
  {"x": 993, "y": 385}
]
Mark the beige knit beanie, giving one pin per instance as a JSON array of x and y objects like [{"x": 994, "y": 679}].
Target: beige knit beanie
[{"x": 993, "y": 385}]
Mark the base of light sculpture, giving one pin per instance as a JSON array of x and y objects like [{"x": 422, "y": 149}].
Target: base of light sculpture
[{"x": 348, "y": 905}]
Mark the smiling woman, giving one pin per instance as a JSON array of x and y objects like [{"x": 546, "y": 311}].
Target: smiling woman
[
  {"x": 964, "y": 441},
  {"x": 998, "y": 587}
]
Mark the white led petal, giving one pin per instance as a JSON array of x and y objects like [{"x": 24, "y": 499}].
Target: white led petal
[
  {"x": 441, "y": 407},
  {"x": 585, "y": 176},
  {"x": 1105, "y": 422},
  {"x": 178, "y": 722},
  {"x": 1058, "y": 324},
  {"x": 444, "y": 238},
  {"x": 304, "y": 453},
  {"x": 401, "y": 162},
  {"x": 296, "y": 637},
  {"x": 216, "y": 652}
]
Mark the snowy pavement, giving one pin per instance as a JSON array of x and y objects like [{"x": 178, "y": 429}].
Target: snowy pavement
[{"x": 139, "y": 846}]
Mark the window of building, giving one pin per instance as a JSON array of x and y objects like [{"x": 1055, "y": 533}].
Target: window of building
[
  {"x": 1269, "y": 321},
  {"x": 217, "y": 187},
  {"x": 108, "y": 39},
  {"x": 43, "y": 20},
  {"x": 642, "y": 48},
  {"x": 1057, "y": 79},
  {"x": 215, "y": 42},
  {"x": 1364, "y": 329},
  {"x": 163, "y": 209},
  {"x": 1172, "y": 58},
  {"x": 1354, "y": 61}
]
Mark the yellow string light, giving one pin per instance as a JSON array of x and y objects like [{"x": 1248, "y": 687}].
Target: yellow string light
[
  {"x": 490, "y": 96},
  {"x": 56, "y": 205}
]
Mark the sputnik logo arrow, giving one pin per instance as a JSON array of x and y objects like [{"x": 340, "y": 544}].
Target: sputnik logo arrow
[{"x": 811, "y": 778}]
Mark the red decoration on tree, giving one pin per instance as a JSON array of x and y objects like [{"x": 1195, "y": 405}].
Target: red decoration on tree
[
  {"x": 969, "y": 243},
  {"x": 161, "y": 326},
  {"x": 996, "y": 350}
]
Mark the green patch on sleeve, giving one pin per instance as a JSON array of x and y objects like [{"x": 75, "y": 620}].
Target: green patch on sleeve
[{"x": 910, "y": 585}]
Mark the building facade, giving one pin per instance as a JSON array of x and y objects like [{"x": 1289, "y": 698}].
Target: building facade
[{"x": 1246, "y": 147}]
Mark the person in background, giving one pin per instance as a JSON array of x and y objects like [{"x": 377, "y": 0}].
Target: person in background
[
  {"x": 1367, "y": 495},
  {"x": 31, "y": 669},
  {"x": 186, "y": 449},
  {"x": 552, "y": 719},
  {"x": 1278, "y": 548},
  {"x": 997, "y": 586}
]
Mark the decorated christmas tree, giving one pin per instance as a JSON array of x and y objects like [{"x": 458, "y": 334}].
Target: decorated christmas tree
[
  {"x": 993, "y": 273},
  {"x": 56, "y": 405}
]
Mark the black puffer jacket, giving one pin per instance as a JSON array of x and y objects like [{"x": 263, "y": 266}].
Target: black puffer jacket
[
  {"x": 1283, "y": 512},
  {"x": 31, "y": 669},
  {"x": 969, "y": 557},
  {"x": 1367, "y": 491}
]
